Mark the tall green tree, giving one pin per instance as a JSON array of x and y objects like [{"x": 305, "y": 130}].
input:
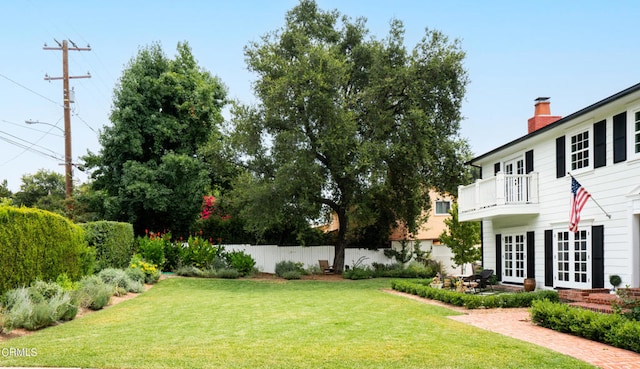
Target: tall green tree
[
  {"x": 4, "y": 189},
  {"x": 462, "y": 238},
  {"x": 348, "y": 124},
  {"x": 43, "y": 190},
  {"x": 148, "y": 171}
]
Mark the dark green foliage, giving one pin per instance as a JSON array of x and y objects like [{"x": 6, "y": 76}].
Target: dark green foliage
[
  {"x": 241, "y": 262},
  {"x": 463, "y": 238},
  {"x": 37, "y": 244},
  {"x": 612, "y": 329},
  {"x": 359, "y": 126},
  {"x": 285, "y": 266},
  {"x": 200, "y": 252},
  {"x": 151, "y": 248},
  {"x": 358, "y": 273},
  {"x": 43, "y": 190},
  {"x": 397, "y": 270},
  {"x": 112, "y": 241},
  {"x": 292, "y": 274},
  {"x": 615, "y": 280},
  {"x": 150, "y": 170},
  {"x": 503, "y": 300}
]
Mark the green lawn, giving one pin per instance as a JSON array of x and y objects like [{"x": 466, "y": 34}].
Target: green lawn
[{"x": 212, "y": 323}]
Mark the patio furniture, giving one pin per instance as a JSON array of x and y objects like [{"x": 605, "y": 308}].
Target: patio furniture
[
  {"x": 325, "y": 267},
  {"x": 483, "y": 279}
]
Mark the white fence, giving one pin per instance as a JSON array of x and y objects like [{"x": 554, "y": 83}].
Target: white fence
[{"x": 266, "y": 256}]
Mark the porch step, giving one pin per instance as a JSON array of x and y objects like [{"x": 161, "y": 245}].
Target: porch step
[
  {"x": 580, "y": 295},
  {"x": 601, "y": 298},
  {"x": 600, "y": 308}
]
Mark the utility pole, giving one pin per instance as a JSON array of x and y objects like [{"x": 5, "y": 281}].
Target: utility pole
[{"x": 67, "y": 110}]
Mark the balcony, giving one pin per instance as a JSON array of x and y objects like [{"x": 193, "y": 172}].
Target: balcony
[{"x": 499, "y": 196}]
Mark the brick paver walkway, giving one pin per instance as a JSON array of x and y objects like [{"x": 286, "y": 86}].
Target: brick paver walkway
[{"x": 517, "y": 323}]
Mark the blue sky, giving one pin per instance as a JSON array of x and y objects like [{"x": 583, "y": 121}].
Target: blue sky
[{"x": 576, "y": 52}]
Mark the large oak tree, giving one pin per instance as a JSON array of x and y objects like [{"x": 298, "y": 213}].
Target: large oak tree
[
  {"x": 346, "y": 122},
  {"x": 164, "y": 111}
]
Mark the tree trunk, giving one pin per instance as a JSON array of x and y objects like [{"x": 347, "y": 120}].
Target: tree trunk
[{"x": 338, "y": 260}]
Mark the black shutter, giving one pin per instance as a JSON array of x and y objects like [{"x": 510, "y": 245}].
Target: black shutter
[
  {"x": 548, "y": 258},
  {"x": 528, "y": 161},
  {"x": 597, "y": 259},
  {"x": 499, "y": 256},
  {"x": 561, "y": 162},
  {"x": 620, "y": 137},
  {"x": 482, "y": 242},
  {"x": 600, "y": 144},
  {"x": 496, "y": 168},
  {"x": 531, "y": 257}
]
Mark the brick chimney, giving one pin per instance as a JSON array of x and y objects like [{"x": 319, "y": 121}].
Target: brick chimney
[{"x": 542, "y": 115}]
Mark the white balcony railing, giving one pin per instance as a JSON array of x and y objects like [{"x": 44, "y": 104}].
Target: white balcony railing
[{"x": 503, "y": 189}]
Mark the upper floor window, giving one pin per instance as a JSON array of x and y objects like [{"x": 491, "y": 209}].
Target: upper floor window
[
  {"x": 636, "y": 134},
  {"x": 442, "y": 207},
  {"x": 580, "y": 150}
]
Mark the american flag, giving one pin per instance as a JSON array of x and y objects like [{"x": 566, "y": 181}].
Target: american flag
[{"x": 579, "y": 197}]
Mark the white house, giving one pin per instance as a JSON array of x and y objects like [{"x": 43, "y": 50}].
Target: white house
[{"x": 524, "y": 195}]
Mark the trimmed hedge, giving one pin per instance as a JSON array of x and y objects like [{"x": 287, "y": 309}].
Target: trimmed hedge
[
  {"x": 503, "y": 300},
  {"x": 113, "y": 243},
  {"x": 37, "y": 244},
  {"x": 612, "y": 329}
]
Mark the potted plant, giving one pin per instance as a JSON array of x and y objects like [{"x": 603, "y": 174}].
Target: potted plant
[
  {"x": 435, "y": 283},
  {"x": 615, "y": 281}
]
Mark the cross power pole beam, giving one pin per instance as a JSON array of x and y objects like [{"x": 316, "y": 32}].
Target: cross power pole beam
[{"x": 67, "y": 110}]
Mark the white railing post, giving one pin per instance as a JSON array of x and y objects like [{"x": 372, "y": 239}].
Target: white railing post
[{"x": 500, "y": 189}]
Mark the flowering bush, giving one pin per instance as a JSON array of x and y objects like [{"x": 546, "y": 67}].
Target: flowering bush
[
  {"x": 151, "y": 246},
  {"x": 151, "y": 272}
]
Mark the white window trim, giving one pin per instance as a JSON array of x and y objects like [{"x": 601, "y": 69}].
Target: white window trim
[
  {"x": 588, "y": 128},
  {"x": 631, "y": 134}
]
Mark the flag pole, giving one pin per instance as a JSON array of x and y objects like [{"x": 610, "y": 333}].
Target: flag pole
[{"x": 594, "y": 200}]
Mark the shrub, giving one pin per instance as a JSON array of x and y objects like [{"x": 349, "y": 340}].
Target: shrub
[
  {"x": 242, "y": 262},
  {"x": 200, "y": 252},
  {"x": 151, "y": 247},
  {"x": 135, "y": 274},
  {"x": 358, "y": 273},
  {"x": 612, "y": 329},
  {"x": 38, "y": 306},
  {"x": 284, "y": 266},
  {"x": 189, "y": 271},
  {"x": 116, "y": 278},
  {"x": 228, "y": 274},
  {"x": 504, "y": 300},
  {"x": 151, "y": 273},
  {"x": 291, "y": 274},
  {"x": 93, "y": 293},
  {"x": 112, "y": 241},
  {"x": 66, "y": 283},
  {"x": 37, "y": 244}
]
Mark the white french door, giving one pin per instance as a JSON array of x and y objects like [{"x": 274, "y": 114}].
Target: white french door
[
  {"x": 572, "y": 259},
  {"x": 514, "y": 182},
  {"x": 514, "y": 258}
]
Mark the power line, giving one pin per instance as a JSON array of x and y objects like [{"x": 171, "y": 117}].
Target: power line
[
  {"x": 30, "y": 90},
  {"x": 28, "y": 147},
  {"x": 33, "y": 129}
]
